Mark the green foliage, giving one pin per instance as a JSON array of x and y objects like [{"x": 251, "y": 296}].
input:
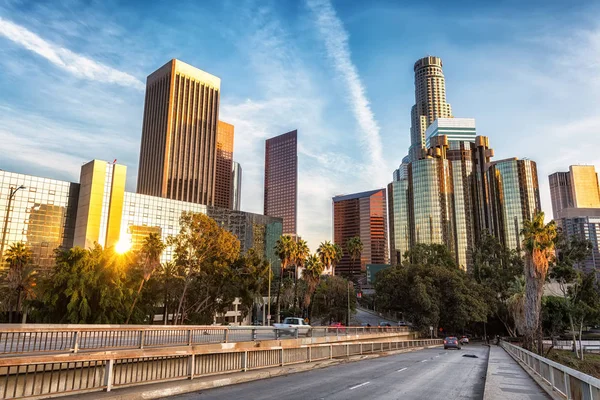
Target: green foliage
[
  {"x": 555, "y": 315},
  {"x": 18, "y": 280},
  {"x": 430, "y": 290},
  {"x": 331, "y": 299}
]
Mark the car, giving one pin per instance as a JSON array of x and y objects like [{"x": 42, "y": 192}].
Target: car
[
  {"x": 291, "y": 324},
  {"x": 464, "y": 340},
  {"x": 337, "y": 327},
  {"x": 385, "y": 324},
  {"x": 366, "y": 324},
  {"x": 402, "y": 323},
  {"x": 451, "y": 342}
]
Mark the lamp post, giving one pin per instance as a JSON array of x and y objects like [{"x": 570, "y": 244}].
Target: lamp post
[{"x": 13, "y": 191}]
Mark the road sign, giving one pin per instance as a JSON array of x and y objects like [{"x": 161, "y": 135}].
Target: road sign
[
  {"x": 431, "y": 328},
  {"x": 269, "y": 316}
]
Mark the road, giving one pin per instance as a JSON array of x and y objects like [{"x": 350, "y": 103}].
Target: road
[
  {"x": 363, "y": 316},
  {"x": 425, "y": 374}
]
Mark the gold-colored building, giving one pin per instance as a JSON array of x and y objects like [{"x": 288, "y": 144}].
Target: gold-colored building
[
  {"x": 179, "y": 134},
  {"x": 224, "y": 176},
  {"x": 577, "y": 188}
]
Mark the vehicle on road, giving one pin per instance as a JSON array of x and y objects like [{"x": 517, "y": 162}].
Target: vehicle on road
[
  {"x": 451, "y": 342},
  {"x": 291, "y": 324},
  {"x": 366, "y": 324},
  {"x": 337, "y": 327},
  {"x": 464, "y": 340},
  {"x": 385, "y": 324}
]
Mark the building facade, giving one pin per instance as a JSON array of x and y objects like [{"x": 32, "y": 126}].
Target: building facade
[
  {"x": 281, "y": 179},
  {"x": 583, "y": 223},
  {"x": 224, "y": 177},
  {"x": 430, "y": 102},
  {"x": 236, "y": 186},
  {"x": 515, "y": 196},
  {"x": 360, "y": 215},
  {"x": 577, "y": 188},
  {"x": 51, "y": 214},
  {"x": 179, "y": 134},
  {"x": 398, "y": 214},
  {"x": 456, "y": 129}
]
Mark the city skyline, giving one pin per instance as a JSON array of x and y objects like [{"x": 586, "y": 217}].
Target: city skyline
[{"x": 97, "y": 108}]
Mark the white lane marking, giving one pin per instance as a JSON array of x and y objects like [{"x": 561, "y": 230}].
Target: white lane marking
[
  {"x": 423, "y": 360},
  {"x": 437, "y": 356},
  {"x": 357, "y": 386},
  {"x": 403, "y": 369}
]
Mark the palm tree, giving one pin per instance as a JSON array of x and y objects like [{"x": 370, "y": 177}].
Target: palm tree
[
  {"x": 20, "y": 277},
  {"x": 168, "y": 273},
  {"x": 355, "y": 249},
  {"x": 516, "y": 302},
  {"x": 286, "y": 251},
  {"x": 538, "y": 242},
  {"x": 150, "y": 253},
  {"x": 312, "y": 276},
  {"x": 338, "y": 254},
  {"x": 326, "y": 253},
  {"x": 302, "y": 252}
]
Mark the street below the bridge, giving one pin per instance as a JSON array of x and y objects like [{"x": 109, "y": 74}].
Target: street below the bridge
[{"x": 424, "y": 374}]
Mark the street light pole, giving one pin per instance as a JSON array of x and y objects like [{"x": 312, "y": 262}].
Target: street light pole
[{"x": 13, "y": 191}]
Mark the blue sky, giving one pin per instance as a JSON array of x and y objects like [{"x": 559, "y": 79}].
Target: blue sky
[{"x": 72, "y": 83}]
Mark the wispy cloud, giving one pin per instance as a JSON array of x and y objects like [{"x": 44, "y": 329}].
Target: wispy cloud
[
  {"x": 65, "y": 59},
  {"x": 338, "y": 50}
]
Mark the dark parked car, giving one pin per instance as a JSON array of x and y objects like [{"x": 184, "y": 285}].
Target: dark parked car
[
  {"x": 451, "y": 342},
  {"x": 385, "y": 324}
]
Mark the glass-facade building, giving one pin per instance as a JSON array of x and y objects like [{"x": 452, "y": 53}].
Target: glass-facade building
[
  {"x": 281, "y": 179},
  {"x": 398, "y": 214},
  {"x": 52, "y": 214},
  {"x": 583, "y": 223},
  {"x": 236, "y": 186},
  {"x": 224, "y": 167},
  {"x": 361, "y": 215},
  {"x": 515, "y": 196}
]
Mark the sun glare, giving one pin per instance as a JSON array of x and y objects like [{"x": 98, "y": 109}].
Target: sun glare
[{"x": 123, "y": 246}]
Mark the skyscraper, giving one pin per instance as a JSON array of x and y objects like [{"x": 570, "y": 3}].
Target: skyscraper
[
  {"x": 363, "y": 215},
  {"x": 583, "y": 223},
  {"x": 515, "y": 196},
  {"x": 236, "y": 187},
  {"x": 281, "y": 179},
  {"x": 224, "y": 177},
  {"x": 430, "y": 102},
  {"x": 178, "y": 150},
  {"x": 577, "y": 188}
]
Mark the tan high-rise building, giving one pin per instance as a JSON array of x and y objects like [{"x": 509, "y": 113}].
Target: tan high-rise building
[
  {"x": 224, "y": 177},
  {"x": 577, "y": 188},
  {"x": 430, "y": 102},
  {"x": 179, "y": 134}
]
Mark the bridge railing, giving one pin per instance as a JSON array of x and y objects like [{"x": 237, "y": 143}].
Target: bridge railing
[
  {"x": 39, "y": 338},
  {"x": 45, "y": 376},
  {"x": 566, "y": 382}
]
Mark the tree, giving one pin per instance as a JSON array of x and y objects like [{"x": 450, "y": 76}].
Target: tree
[
  {"x": 249, "y": 279},
  {"x": 286, "y": 251},
  {"x": 516, "y": 304},
  {"x": 149, "y": 255},
  {"x": 355, "y": 249},
  {"x": 431, "y": 290},
  {"x": 331, "y": 299},
  {"x": 327, "y": 254},
  {"x": 20, "y": 278},
  {"x": 312, "y": 276},
  {"x": 538, "y": 242},
  {"x": 301, "y": 253},
  {"x": 168, "y": 276},
  {"x": 201, "y": 243},
  {"x": 496, "y": 268}
]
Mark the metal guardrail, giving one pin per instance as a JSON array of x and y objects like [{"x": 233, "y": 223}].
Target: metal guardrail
[
  {"x": 26, "y": 339},
  {"x": 56, "y": 375},
  {"x": 566, "y": 382}
]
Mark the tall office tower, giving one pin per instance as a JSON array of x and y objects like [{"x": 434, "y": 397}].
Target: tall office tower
[
  {"x": 514, "y": 197},
  {"x": 577, "y": 188},
  {"x": 482, "y": 155},
  {"x": 583, "y": 223},
  {"x": 223, "y": 177},
  {"x": 281, "y": 179},
  {"x": 431, "y": 197},
  {"x": 179, "y": 132},
  {"x": 363, "y": 215},
  {"x": 430, "y": 102},
  {"x": 236, "y": 187},
  {"x": 398, "y": 213}
]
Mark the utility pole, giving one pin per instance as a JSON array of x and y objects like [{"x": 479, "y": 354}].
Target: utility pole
[
  {"x": 13, "y": 191},
  {"x": 269, "y": 296}
]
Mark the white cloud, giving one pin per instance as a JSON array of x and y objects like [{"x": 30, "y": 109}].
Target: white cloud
[
  {"x": 338, "y": 50},
  {"x": 65, "y": 59}
]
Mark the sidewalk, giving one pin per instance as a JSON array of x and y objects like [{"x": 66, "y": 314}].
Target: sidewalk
[{"x": 506, "y": 379}]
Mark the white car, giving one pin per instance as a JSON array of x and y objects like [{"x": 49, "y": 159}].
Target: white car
[
  {"x": 464, "y": 340},
  {"x": 290, "y": 324}
]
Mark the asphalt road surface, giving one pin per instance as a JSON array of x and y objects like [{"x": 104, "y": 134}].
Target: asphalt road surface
[
  {"x": 425, "y": 374},
  {"x": 366, "y": 317}
]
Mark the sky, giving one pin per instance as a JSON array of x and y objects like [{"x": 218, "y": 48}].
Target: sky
[{"x": 72, "y": 81}]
